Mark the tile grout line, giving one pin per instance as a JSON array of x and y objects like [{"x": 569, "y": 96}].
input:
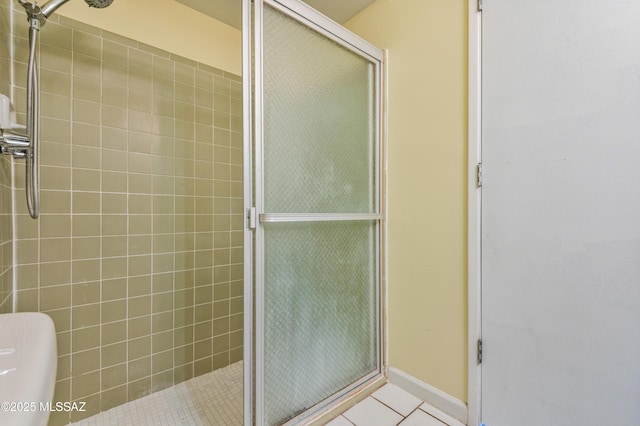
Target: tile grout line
[
  {"x": 395, "y": 411},
  {"x": 409, "y": 415},
  {"x": 418, "y": 408}
]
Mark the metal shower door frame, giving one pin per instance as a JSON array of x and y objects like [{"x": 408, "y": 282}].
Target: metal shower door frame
[
  {"x": 252, "y": 33},
  {"x": 247, "y": 161}
]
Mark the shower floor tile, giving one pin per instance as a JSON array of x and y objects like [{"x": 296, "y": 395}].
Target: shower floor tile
[{"x": 211, "y": 399}]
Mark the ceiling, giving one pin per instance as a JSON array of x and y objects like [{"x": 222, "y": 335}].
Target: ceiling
[{"x": 230, "y": 11}]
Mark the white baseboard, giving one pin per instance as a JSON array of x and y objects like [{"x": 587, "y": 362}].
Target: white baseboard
[{"x": 443, "y": 402}]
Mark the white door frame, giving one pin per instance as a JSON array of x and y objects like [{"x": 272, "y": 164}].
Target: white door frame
[{"x": 474, "y": 239}]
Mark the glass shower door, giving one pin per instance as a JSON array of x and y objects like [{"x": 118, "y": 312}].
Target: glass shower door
[{"x": 317, "y": 197}]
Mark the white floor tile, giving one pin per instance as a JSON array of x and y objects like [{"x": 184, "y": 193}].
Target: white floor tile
[
  {"x": 398, "y": 399},
  {"x": 339, "y": 421},
  {"x": 420, "y": 418},
  {"x": 371, "y": 412},
  {"x": 443, "y": 417}
]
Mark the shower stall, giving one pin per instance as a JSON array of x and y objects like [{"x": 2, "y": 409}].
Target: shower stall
[
  {"x": 193, "y": 222},
  {"x": 138, "y": 251}
]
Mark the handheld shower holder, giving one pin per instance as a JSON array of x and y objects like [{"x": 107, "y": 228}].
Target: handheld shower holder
[
  {"x": 14, "y": 143},
  {"x": 35, "y": 15},
  {"x": 13, "y": 138}
]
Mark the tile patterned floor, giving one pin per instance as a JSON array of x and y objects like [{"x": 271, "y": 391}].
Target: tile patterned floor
[
  {"x": 391, "y": 406},
  {"x": 216, "y": 399},
  {"x": 211, "y": 399}
]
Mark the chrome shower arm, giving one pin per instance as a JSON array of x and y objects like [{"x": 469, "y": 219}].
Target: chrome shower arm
[
  {"x": 41, "y": 13},
  {"x": 52, "y": 6}
]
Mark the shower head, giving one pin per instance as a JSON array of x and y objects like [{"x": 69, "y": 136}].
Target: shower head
[
  {"x": 44, "y": 12},
  {"x": 99, "y": 3},
  {"x": 53, "y": 5}
]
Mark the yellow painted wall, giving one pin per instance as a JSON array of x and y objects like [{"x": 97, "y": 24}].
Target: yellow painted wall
[
  {"x": 167, "y": 25},
  {"x": 427, "y": 113}
]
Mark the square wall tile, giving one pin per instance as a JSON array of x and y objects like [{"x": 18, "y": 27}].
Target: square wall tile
[{"x": 137, "y": 218}]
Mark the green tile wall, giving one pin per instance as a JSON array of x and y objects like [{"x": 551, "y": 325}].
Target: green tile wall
[
  {"x": 6, "y": 207},
  {"x": 138, "y": 253}
]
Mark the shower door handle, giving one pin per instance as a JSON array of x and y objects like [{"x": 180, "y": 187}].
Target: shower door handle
[
  {"x": 251, "y": 218},
  {"x": 317, "y": 217}
]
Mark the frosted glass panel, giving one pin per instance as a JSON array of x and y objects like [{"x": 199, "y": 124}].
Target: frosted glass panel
[
  {"x": 319, "y": 125},
  {"x": 318, "y": 155},
  {"x": 320, "y": 327}
]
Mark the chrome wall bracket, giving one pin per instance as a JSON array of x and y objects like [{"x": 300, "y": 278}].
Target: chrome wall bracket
[
  {"x": 14, "y": 143},
  {"x": 36, "y": 16}
]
